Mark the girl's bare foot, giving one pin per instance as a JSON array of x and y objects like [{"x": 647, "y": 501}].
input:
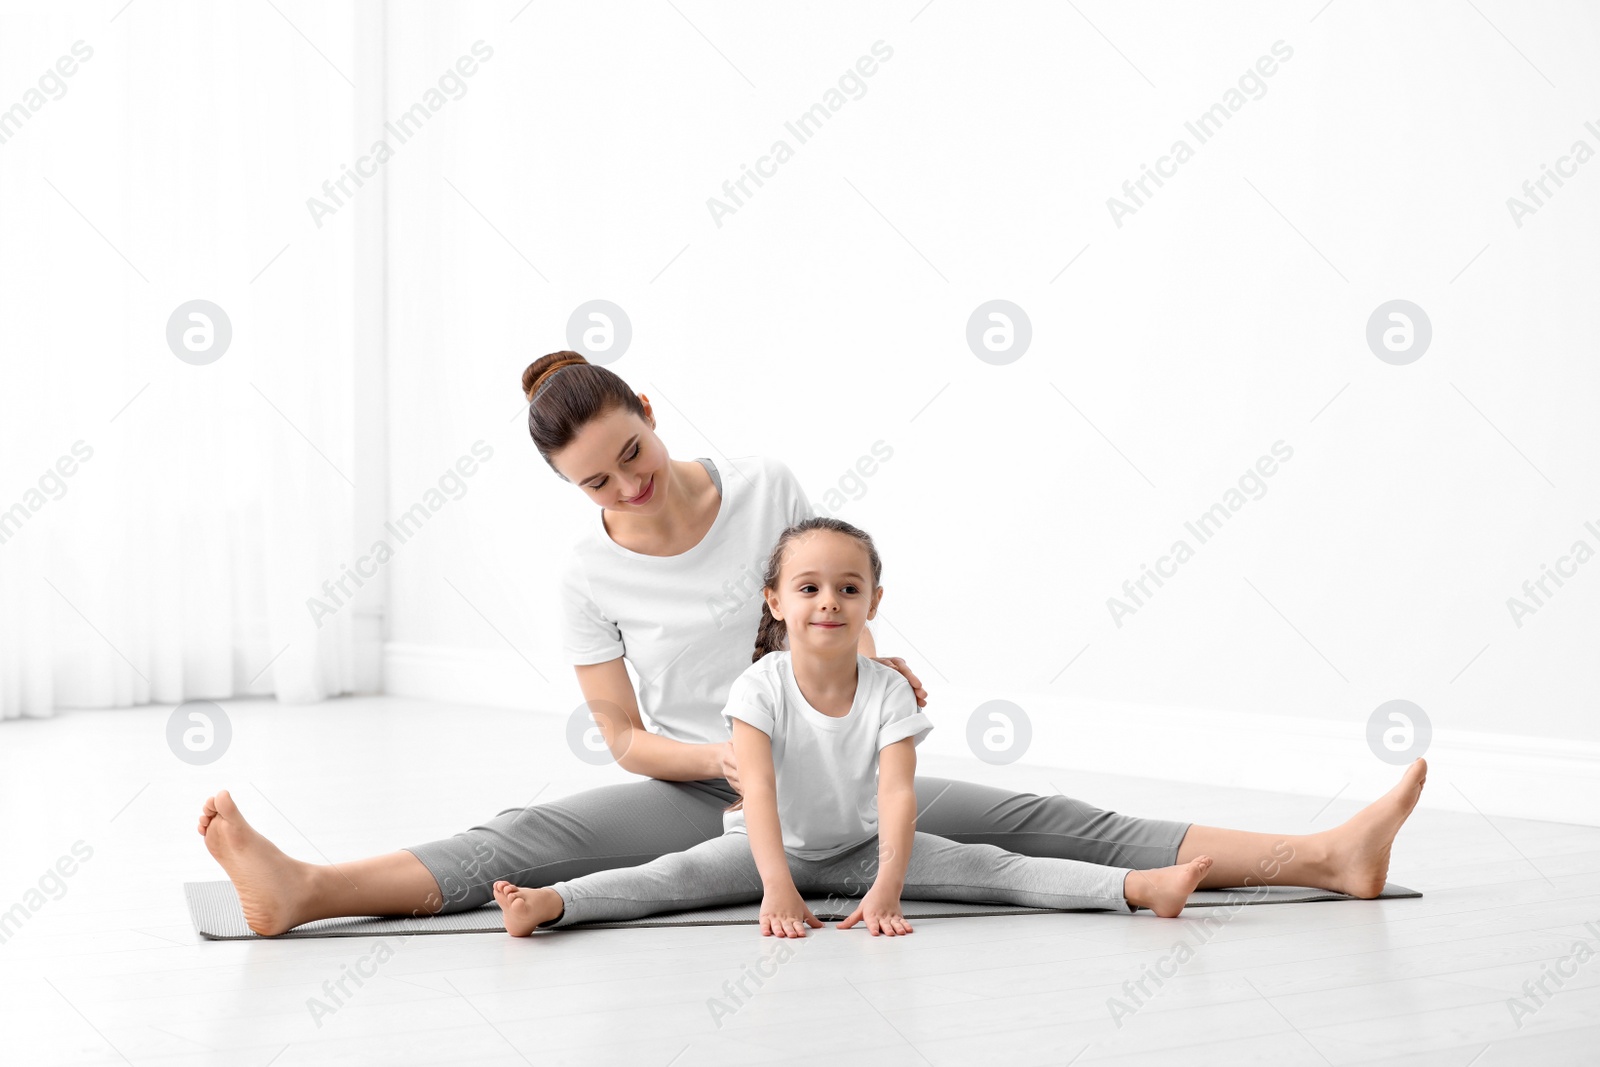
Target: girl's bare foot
[
  {"x": 526, "y": 909},
  {"x": 1358, "y": 851},
  {"x": 268, "y": 882},
  {"x": 1165, "y": 890}
]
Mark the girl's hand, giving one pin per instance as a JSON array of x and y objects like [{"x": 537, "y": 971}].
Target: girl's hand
[
  {"x": 880, "y": 909},
  {"x": 784, "y": 914},
  {"x": 900, "y": 665},
  {"x": 728, "y": 768}
]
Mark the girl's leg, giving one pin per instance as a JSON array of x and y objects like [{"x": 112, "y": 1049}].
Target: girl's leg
[
  {"x": 1352, "y": 858},
  {"x": 600, "y": 828},
  {"x": 712, "y": 874},
  {"x": 941, "y": 869}
]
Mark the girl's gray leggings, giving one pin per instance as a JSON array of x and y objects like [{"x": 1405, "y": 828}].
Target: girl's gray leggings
[
  {"x": 635, "y": 822},
  {"x": 723, "y": 871}
]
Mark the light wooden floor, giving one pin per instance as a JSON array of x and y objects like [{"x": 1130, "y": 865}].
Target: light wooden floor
[{"x": 111, "y": 972}]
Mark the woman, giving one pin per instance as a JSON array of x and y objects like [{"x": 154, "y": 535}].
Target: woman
[{"x": 669, "y": 578}]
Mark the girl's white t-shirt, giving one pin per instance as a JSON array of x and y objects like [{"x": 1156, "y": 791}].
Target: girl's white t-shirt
[
  {"x": 686, "y": 624},
  {"x": 826, "y": 767}
]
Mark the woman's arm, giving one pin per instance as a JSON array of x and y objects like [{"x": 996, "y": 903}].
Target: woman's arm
[
  {"x": 897, "y": 824},
  {"x": 615, "y": 708},
  {"x": 783, "y": 910}
]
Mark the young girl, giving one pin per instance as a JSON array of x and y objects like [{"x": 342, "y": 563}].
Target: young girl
[{"x": 825, "y": 739}]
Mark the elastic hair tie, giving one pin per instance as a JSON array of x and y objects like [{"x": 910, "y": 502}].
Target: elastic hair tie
[{"x": 551, "y": 373}]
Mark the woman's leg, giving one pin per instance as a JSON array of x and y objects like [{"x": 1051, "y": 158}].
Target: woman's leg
[
  {"x": 1055, "y": 826},
  {"x": 941, "y": 869},
  {"x": 278, "y": 892},
  {"x": 612, "y": 826},
  {"x": 712, "y": 874},
  {"x": 1352, "y": 858}
]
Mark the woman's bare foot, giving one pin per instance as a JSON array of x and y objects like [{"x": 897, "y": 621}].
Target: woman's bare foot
[
  {"x": 1165, "y": 890},
  {"x": 268, "y": 882},
  {"x": 525, "y": 909},
  {"x": 1358, "y": 851}
]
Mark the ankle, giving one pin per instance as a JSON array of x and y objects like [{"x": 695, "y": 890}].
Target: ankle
[
  {"x": 1133, "y": 886},
  {"x": 549, "y": 905},
  {"x": 307, "y": 886},
  {"x": 1314, "y": 859}
]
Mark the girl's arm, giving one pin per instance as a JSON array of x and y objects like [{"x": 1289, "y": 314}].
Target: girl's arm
[
  {"x": 783, "y": 910},
  {"x": 615, "y": 708},
  {"x": 897, "y": 823}
]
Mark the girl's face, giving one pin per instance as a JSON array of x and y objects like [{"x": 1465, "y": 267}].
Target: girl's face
[
  {"x": 824, "y": 594},
  {"x": 619, "y": 462}
]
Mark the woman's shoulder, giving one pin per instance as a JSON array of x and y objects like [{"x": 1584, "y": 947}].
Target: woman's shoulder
[
  {"x": 762, "y": 468},
  {"x": 585, "y": 560},
  {"x": 580, "y": 552}
]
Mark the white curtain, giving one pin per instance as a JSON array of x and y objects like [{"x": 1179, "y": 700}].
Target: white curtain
[{"x": 163, "y": 524}]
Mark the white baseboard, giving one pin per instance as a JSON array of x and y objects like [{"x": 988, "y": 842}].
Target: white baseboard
[
  {"x": 1509, "y": 775},
  {"x": 475, "y": 677},
  {"x": 1496, "y": 774}
]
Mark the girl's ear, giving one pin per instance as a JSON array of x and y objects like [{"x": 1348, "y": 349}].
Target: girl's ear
[{"x": 877, "y": 595}]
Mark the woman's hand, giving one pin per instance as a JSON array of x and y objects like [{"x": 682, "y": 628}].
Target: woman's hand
[
  {"x": 900, "y": 665},
  {"x": 784, "y": 914},
  {"x": 880, "y": 910},
  {"x": 727, "y": 767}
]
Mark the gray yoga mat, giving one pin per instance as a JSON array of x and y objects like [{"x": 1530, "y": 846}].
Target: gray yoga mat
[{"x": 214, "y": 908}]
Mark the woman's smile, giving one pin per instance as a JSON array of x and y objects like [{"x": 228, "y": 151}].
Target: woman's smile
[{"x": 644, "y": 497}]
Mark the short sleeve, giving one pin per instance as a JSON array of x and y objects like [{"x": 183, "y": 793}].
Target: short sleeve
[
  {"x": 752, "y": 699},
  {"x": 589, "y": 636},
  {"x": 799, "y": 505},
  {"x": 901, "y": 716}
]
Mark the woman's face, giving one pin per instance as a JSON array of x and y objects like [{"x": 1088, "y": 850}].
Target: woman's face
[
  {"x": 618, "y": 462},
  {"x": 825, "y": 594}
]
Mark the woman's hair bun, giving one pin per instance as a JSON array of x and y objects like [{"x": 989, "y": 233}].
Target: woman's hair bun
[
  {"x": 559, "y": 407},
  {"x": 545, "y": 366}
]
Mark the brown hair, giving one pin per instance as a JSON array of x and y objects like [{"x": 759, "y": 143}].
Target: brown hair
[
  {"x": 772, "y": 634},
  {"x": 565, "y": 393}
]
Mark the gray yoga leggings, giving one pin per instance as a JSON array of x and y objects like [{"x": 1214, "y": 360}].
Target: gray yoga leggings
[
  {"x": 723, "y": 871},
  {"x": 635, "y": 822}
]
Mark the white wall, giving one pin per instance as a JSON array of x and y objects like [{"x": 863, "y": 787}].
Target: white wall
[{"x": 1227, "y": 314}]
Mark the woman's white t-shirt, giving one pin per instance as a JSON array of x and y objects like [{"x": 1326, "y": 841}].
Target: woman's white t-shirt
[
  {"x": 826, "y": 766},
  {"x": 686, "y": 623}
]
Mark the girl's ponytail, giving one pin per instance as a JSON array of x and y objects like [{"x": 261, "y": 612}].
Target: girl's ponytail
[{"x": 771, "y": 635}]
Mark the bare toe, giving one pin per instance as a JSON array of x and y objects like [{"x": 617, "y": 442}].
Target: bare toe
[
  {"x": 269, "y": 884},
  {"x": 1361, "y": 847}
]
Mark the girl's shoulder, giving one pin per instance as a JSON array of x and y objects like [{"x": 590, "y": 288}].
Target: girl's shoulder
[
  {"x": 771, "y": 666},
  {"x": 889, "y": 687},
  {"x": 879, "y": 672},
  {"x": 761, "y": 685},
  {"x": 767, "y": 672}
]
